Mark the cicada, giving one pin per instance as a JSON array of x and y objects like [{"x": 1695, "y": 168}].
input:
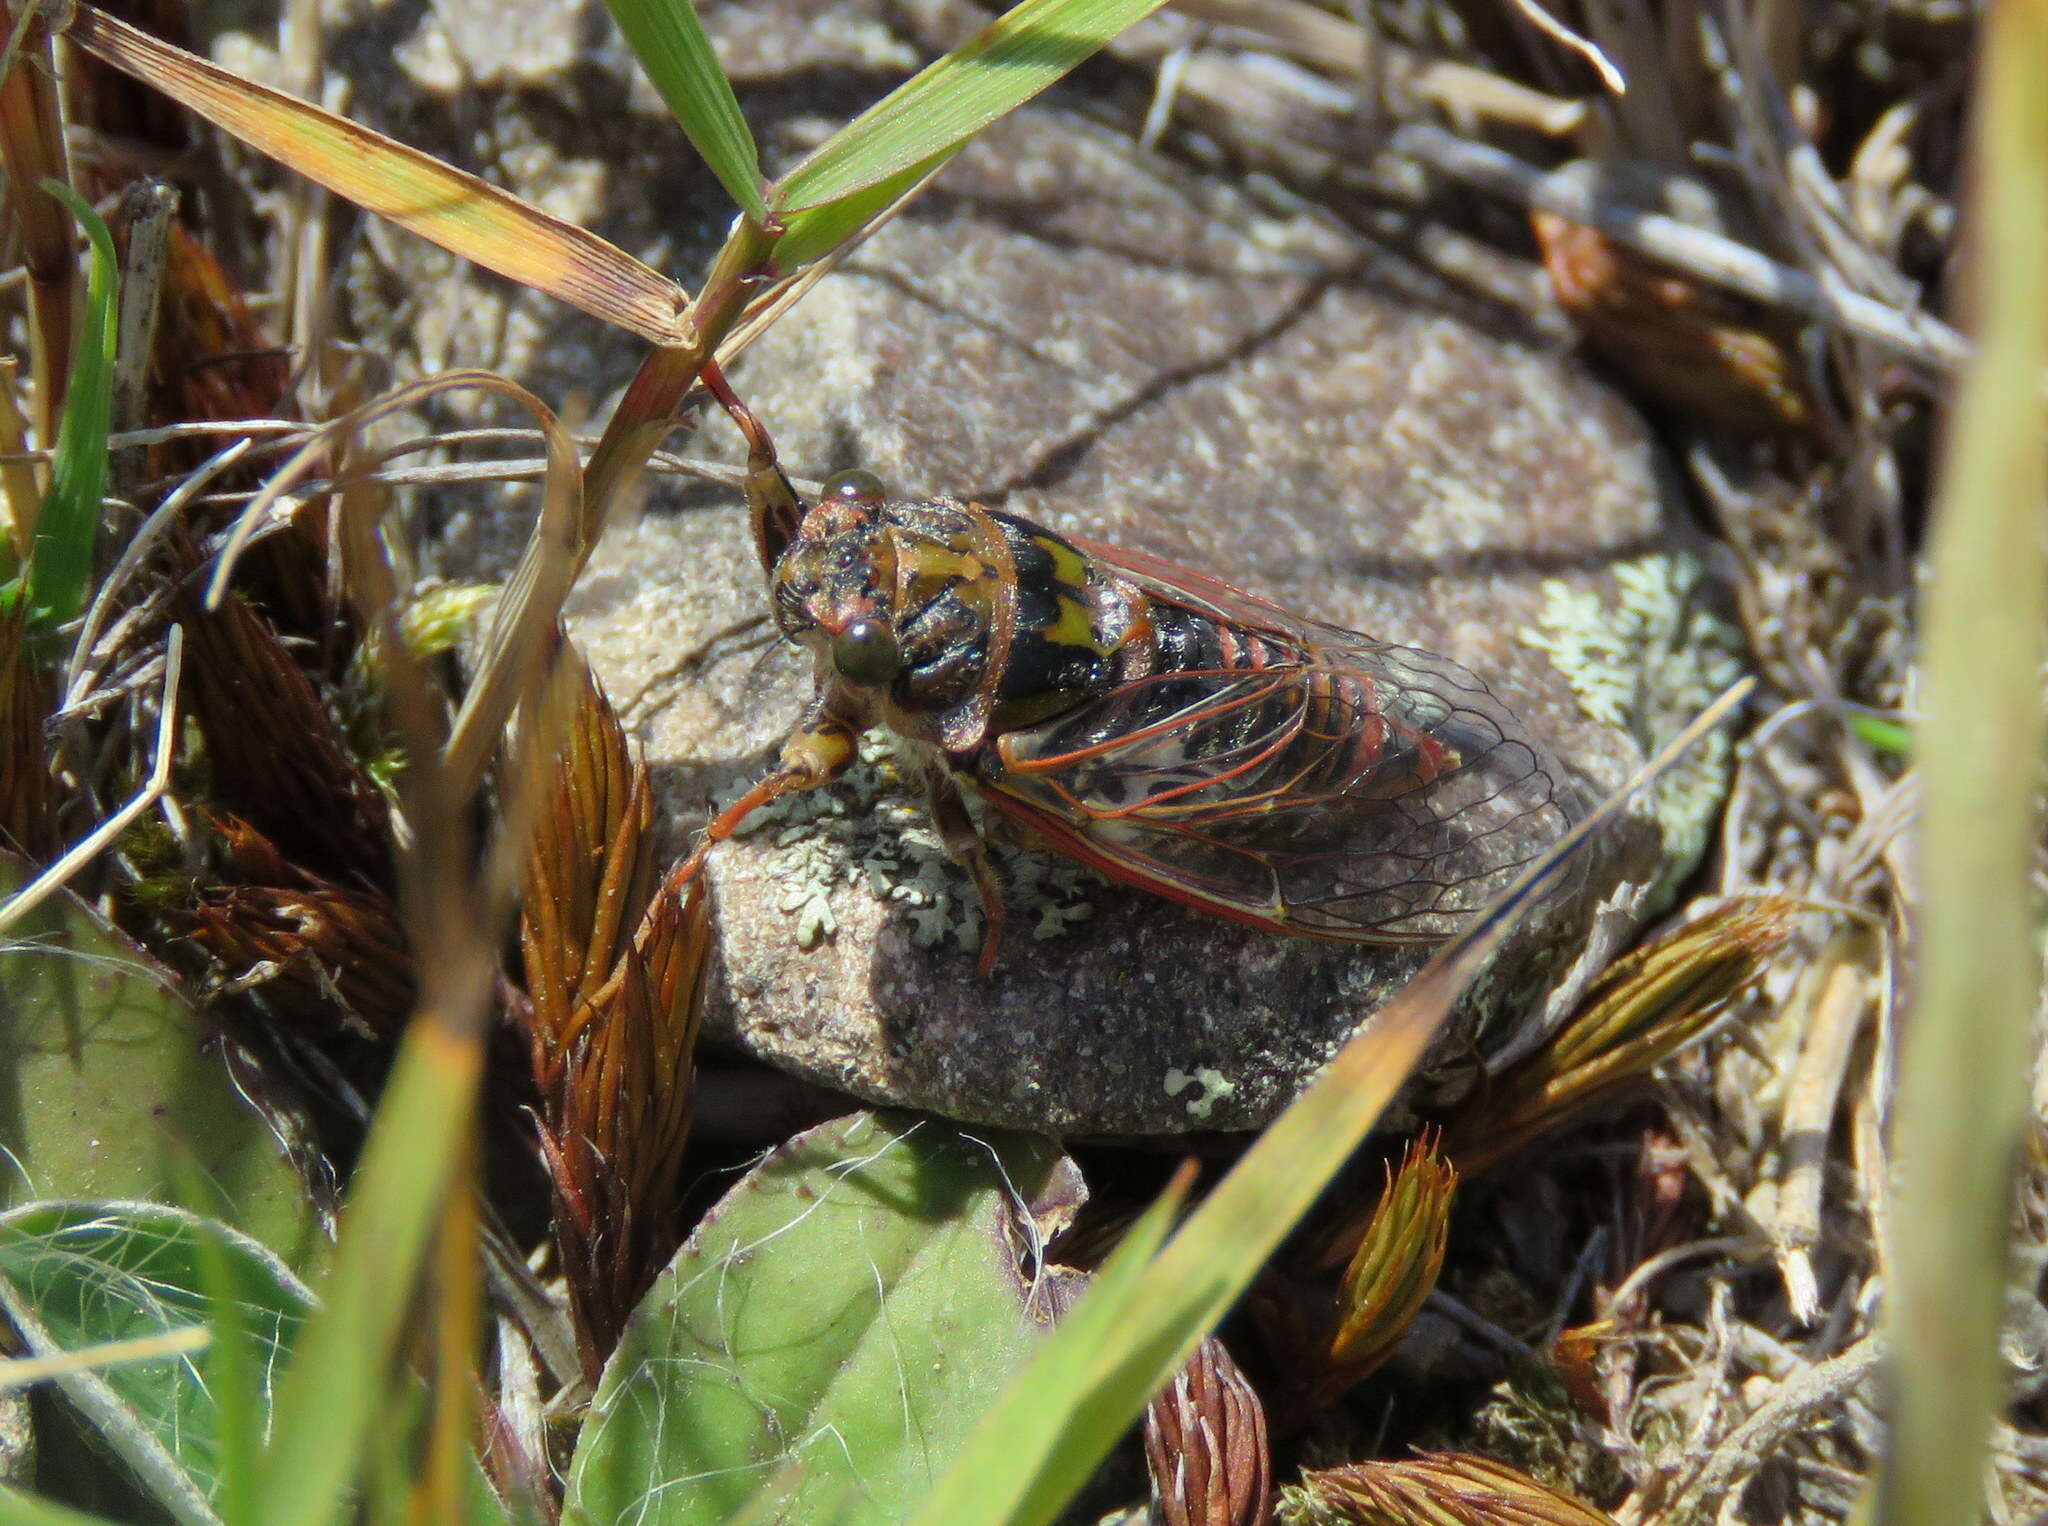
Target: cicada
[{"x": 1159, "y": 725}]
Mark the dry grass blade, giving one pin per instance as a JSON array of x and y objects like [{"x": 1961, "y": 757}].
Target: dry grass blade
[
  {"x": 1646, "y": 1006},
  {"x": 28, "y": 819},
  {"x": 1205, "y": 1445},
  {"x": 23, "y": 495},
  {"x": 1441, "y": 1489},
  {"x": 612, "y": 1021},
  {"x": 32, "y": 148},
  {"x": 461, "y": 213},
  {"x": 1399, "y": 1254},
  {"x": 525, "y": 621}
]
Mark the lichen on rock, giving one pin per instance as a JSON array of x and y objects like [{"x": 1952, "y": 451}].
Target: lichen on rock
[{"x": 1648, "y": 660}]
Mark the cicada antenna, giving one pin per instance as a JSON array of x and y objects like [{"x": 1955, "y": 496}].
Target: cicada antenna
[{"x": 773, "y": 503}]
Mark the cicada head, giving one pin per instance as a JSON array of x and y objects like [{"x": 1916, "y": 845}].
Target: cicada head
[
  {"x": 833, "y": 583},
  {"x": 909, "y": 607}
]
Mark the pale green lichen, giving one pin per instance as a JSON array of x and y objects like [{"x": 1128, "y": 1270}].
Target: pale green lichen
[
  {"x": 1215, "y": 1086},
  {"x": 1648, "y": 662},
  {"x": 871, "y": 829}
]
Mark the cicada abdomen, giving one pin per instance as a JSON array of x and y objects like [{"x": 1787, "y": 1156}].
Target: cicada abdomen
[{"x": 1162, "y": 726}]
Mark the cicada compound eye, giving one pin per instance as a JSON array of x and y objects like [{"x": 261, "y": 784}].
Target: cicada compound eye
[
  {"x": 866, "y": 652},
  {"x": 854, "y": 487}
]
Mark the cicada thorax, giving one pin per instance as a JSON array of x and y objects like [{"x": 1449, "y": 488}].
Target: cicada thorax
[{"x": 949, "y": 622}]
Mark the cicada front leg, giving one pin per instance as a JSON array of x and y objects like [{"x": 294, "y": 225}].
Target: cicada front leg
[
  {"x": 963, "y": 842},
  {"x": 823, "y": 746},
  {"x": 772, "y": 503}
]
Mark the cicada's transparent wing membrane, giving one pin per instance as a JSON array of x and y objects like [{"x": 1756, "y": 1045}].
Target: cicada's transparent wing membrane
[{"x": 1371, "y": 793}]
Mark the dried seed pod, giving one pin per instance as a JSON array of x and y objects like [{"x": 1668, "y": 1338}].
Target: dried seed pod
[
  {"x": 1647, "y": 1005},
  {"x": 1706, "y": 352},
  {"x": 612, "y": 1019},
  {"x": 320, "y": 950},
  {"x": 1390, "y": 1273},
  {"x": 1439, "y": 1489},
  {"x": 1205, "y": 1444}
]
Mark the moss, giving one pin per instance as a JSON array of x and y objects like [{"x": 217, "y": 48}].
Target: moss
[
  {"x": 1647, "y": 662},
  {"x": 1531, "y": 1423},
  {"x": 871, "y": 830}
]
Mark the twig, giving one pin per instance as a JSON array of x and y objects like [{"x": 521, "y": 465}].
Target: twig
[
  {"x": 54, "y": 877},
  {"x": 1836, "y": 993},
  {"x": 1711, "y": 257}
]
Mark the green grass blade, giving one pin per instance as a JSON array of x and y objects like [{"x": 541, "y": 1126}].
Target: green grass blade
[
  {"x": 1004, "y": 65},
  {"x": 336, "y": 1384},
  {"x": 817, "y": 231},
  {"x": 19, "y": 1509},
  {"x": 669, "y": 41},
  {"x": 61, "y": 563},
  {"x": 1968, "y": 1053},
  {"x": 1008, "y": 1472}
]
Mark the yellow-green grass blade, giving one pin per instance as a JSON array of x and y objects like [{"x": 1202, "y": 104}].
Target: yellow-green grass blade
[
  {"x": 461, "y": 213},
  {"x": 816, "y": 231},
  {"x": 1004, "y": 65},
  {"x": 1010, "y": 1470},
  {"x": 61, "y": 562},
  {"x": 669, "y": 41},
  {"x": 1968, "y": 1052},
  {"x": 335, "y": 1386},
  {"x": 18, "y": 1508}
]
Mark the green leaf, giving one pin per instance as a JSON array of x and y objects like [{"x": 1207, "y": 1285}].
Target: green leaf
[
  {"x": 669, "y": 41},
  {"x": 61, "y": 562},
  {"x": 1004, "y": 65},
  {"x": 832, "y": 1330},
  {"x": 1019, "y": 1465},
  {"x": 106, "y": 1071},
  {"x": 1886, "y": 736},
  {"x": 75, "y": 1275}
]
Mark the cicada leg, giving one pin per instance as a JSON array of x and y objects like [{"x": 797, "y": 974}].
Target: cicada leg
[
  {"x": 823, "y": 746},
  {"x": 957, "y": 831},
  {"x": 771, "y": 501}
]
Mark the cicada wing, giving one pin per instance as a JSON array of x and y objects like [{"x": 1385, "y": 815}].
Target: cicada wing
[{"x": 1373, "y": 793}]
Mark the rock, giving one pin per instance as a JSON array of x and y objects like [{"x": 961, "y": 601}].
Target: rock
[{"x": 1094, "y": 337}]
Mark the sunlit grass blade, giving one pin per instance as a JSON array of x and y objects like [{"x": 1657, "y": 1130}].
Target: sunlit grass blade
[
  {"x": 1004, "y": 65},
  {"x": 1010, "y": 1471},
  {"x": 669, "y": 41},
  {"x": 461, "y": 213},
  {"x": 20, "y": 1509},
  {"x": 65, "y": 530},
  {"x": 816, "y": 231},
  {"x": 1969, "y": 1051},
  {"x": 334, "y": 1387}
]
